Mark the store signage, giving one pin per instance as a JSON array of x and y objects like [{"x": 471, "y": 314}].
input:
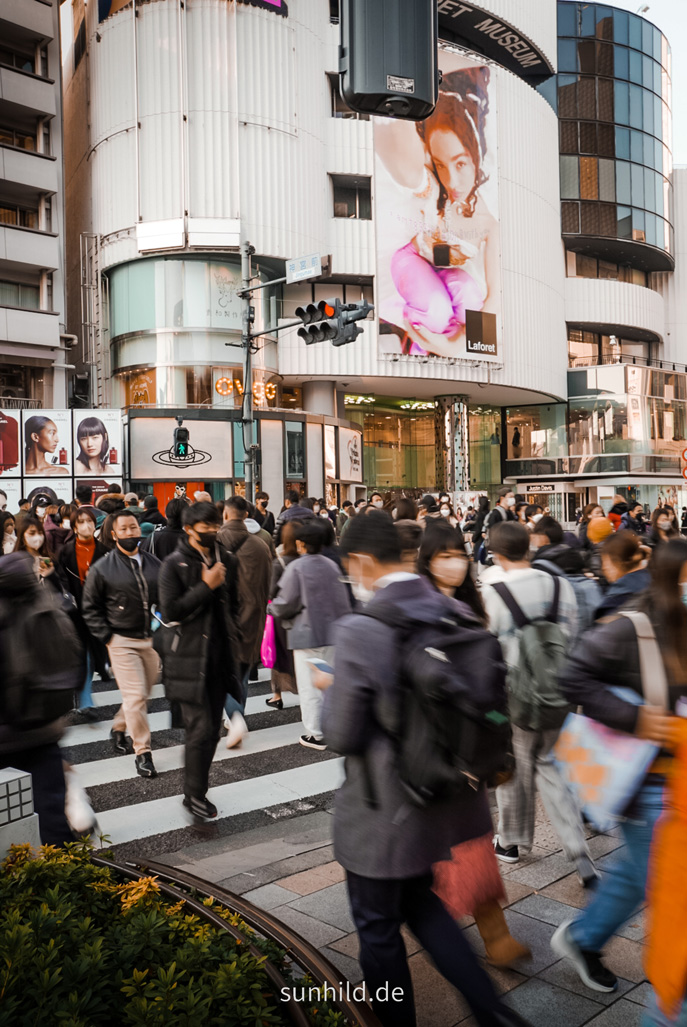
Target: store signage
[
  {"x": 493, "y": 37},
  {"x": 480, "y": 333},
  {"x": 537, "y": 489}
]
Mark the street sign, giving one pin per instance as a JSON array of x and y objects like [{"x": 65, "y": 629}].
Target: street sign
[
  {"x": 684, "y": 472},
  {"x": 299, "y": 268}
]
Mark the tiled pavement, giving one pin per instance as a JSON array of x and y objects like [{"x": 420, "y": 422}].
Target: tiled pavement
[{"x": 289, "y": 868}]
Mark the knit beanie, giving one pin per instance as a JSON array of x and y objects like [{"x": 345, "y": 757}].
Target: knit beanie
[{"x": 598, "y": 529}]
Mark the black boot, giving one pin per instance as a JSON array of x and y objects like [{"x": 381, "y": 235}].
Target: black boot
[{"x": 120, "y": 743}]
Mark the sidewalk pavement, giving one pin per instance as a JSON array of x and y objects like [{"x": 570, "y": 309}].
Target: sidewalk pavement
[{"x": 289, "y": 868}]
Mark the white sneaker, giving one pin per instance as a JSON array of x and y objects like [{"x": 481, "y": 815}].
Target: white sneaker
[
  {"x": 77, "y": 808},
  {"x": 238, "y": 729}
]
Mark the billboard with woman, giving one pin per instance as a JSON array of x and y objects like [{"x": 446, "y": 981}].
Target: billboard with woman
[
  {"x": 436, "y": 213},
  {"x": 47, "y": 440},
  {"x": 97, "y": 443}
]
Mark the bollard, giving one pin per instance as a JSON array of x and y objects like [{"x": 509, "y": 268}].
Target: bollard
[{"x": 18, "y": 822}]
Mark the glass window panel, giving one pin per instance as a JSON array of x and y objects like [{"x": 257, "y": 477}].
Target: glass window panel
[
  {"x": 649, "y": 189},
  {"x": 647, "y": 37},
  {"x": 586, "y": 50},
  {"x": 624, "y": 220},
  {"x": 638, "y": 225},
  {"x": 570, "y": 218},
  {"x": 648, "y": 103},
  {"x": 587, "y": 267},
  {"x": 608, "y": 271},
  {"x": 636, "y": 147},
  {"x": 365, "y": 202},
  {"x": 567, "y": 55},
  {"x": 658, "y": 196},
  {"x": 589, "y": 218},
  {"x": 635, "y": 32},
  {"x": 635, "y": 67},
  {"x": 658, "y": 117},
  {"x": 620, "y": 26},
  {"x": 657, "y": 44},
  {"x": 651, "y": 230},
  {"x": 604, "y": 22},
  {"x": 295, "y": 449},
  {"x": 657, "y": 78},
  {"x": 581, "y": 352},
  {"x": 622, "y": 141},
  {"x": 649, "y": 151},
  {"x": 622, "y": 182},
  {"x": 587, "y": 137},
  {"x": 570, "y": 178},
  {"x": 567, "y": 20},
  {"x": 587, "y": 21},
  {"x": 647, "y": 72},
  {"x": 567, "y": 97},
  {"x": 637, "y": 174},
  {"x": 541, "y": 431},
  {"x": 586, "y": 97},
  {"x": 636, "y": 106},
  {"x": 604, "y": 59},
  {"x": 607, "y": 219},
  {"x": 621, "y": 61},
  {"x": 344, "y": 202},
  {"x": 568, "y": 136},
  {"x": 607, "y": 180},
  {"x": 589, "y": 180},
  {"x": 605, "y": 99},
  {"x": 606, "y": 140},
  {"x": 658, "y": 155},
  {"x": 621, "y": 97},
  {"x": 9, "y": 215}
]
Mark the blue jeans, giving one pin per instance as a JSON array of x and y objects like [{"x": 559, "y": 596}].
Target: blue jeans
[
  {"x": 86, "y": 693},
  {"x": 653, "y": 1017},
  {"x": 622, "y": 889},
  {"x": 232, "y": 705}
]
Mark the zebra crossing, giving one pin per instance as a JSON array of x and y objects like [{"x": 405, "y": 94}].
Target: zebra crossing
[{"x": 268, "y": 777}]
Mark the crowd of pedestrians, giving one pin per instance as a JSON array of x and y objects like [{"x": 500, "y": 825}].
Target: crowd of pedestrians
[{"x": 439, "y": 650}]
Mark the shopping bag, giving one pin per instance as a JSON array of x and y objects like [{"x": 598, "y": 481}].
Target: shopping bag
[{"x": 268, "y": 648}]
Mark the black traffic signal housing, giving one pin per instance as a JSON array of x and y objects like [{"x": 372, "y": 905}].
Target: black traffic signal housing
[
  {"x": 181, "y": 443},
  {"x": 332, "y": 321},
  {"x": 350, "y": 313}
]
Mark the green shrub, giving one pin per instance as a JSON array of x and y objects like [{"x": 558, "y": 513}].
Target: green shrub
[{"x": 81, "y": 946}]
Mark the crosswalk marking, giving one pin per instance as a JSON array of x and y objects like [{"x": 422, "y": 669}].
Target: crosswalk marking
[
  {"x": 115, "y": 696},
  {"x": 158, "y": 816}
]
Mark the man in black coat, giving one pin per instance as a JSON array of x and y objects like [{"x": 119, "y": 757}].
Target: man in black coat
[{"x": 199, "y": 607}]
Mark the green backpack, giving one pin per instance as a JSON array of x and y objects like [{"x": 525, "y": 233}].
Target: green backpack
[{"x": 535, "y": 700}]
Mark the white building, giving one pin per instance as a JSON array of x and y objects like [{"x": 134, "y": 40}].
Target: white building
[{"x": 193, "y": 127}]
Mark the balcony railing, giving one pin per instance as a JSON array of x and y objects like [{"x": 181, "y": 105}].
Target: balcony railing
[
  {"x": 20, "y": 403},
  {"x": 659, "y": 365}
]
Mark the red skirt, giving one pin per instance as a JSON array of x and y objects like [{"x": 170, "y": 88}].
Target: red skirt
[{"x": 469, "y": 878}]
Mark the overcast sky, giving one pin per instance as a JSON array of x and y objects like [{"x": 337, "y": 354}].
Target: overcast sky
[{"x": 670, "y": 16}]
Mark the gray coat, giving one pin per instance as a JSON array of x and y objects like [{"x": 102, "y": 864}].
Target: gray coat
[
  {"x": 310, "y": 597},
  {"x": 361, "y": 711}
]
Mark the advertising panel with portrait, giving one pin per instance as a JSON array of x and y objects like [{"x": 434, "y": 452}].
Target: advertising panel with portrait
[
  {"x": 350, "y": 455},
  {"x": 98, "y": 443},
  {"x": 47, "y": 443},
  {"x": 10, "y": 444},
  {"x": 209, "y": 451},
  {"x": 437, "y": 222}
]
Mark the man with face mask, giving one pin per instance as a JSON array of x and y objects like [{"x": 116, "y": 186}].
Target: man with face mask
[
  {"x": 199, "y": 609},
  {"x": 376, "y": 500},
  {"x": 119, "y": 594}
]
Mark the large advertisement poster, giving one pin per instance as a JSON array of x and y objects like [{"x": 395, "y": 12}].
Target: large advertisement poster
[
  {"x": 10, "y": 444},
  {"x": 47, "y": 443},
  {"x": 437, "y": 222},
  {"x": 98, "y": 443},
  {"x": 152, "y": 450},
  {"x": 350, "y": 455}
]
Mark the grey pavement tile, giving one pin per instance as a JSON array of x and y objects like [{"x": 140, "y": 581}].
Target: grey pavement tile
[
  {"x": 602, "y": 844},
  {"x": 608, "y": 861},
  {"x": 314, "y": 931},
  {"x": 540, "y": 907},
  {"x": 568, "y": 890},
  {"x": 530, "y": 932},
  {"x": 563, "y": 975},
  {"x": 503, "y": 978},
  {"x": 542, "y": 1005},
  {"x": 544, "y": 871},
  {"x": 635, "y": 928},
  {"x": 515, "y": 891},
  {"x": 330, "y": 905},
  {"x": 622, "y": 1014},
  {"x": 436, "y": 1002},
  {"x": 625, "y": 959},
  {"x": 350, "y": 945},
  {"x": 254, "y": 878},
  {"x": 349, "y": 968},
  {"x": 640, "y": 995},
  {"x": 269, "y": 896},
  {"x": 249, "y": 881},
  {"x": 527, "y": 859}
]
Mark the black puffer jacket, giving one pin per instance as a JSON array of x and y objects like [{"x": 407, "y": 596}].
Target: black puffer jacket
[
  {"x": 115, "y": 601},
  {"x": 68, "y": 569},
  {"x": 189, "y": 606}
]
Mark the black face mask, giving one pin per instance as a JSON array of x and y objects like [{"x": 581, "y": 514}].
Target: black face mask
[
  {"x": 207, "y": 539},
  {"x": 129, "y": 545}
]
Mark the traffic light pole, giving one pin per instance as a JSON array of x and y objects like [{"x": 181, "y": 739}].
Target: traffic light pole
[{"x": 247, "y": 343}]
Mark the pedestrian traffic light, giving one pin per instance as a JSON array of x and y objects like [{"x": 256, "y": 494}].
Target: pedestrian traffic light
[
  {"x": 181, "y": 446},
  {"x": 332, "y": 321}
]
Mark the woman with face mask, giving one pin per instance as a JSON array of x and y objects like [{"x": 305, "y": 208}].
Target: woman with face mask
[
  {"x": 31, "y": 539},
  {"x": 663, "y": 526},
  {"x": 78, "y": 555},
  {"x": 8, "y": 534},
  {"x": 58, "y": 528},
  {"x": 470, "y": 883},
  {"x": 447, "y": 512}
]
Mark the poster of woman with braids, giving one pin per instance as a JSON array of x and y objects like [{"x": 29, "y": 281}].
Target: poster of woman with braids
[{"x": 436, "y": 201}]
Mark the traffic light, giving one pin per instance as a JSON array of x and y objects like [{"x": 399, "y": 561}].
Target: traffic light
[
  {"x": 181, "y": 446},
  {"x": 331, "y": 321}
]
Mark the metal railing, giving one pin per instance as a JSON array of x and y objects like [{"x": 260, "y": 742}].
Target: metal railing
[
  {"x": 610, "y": 358},
  {"x": 20, "y": 403}
]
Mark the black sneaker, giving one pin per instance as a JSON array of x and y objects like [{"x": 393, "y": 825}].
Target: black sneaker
[
  {"x": 200, "y": 807},
  {"x": 591, "y": 970},
  {"x": 310, "y": 742},
  {"x": 120, "y": 743},
  {"x": 145, "y": 766},
  {"x": 510, "y": 855}
]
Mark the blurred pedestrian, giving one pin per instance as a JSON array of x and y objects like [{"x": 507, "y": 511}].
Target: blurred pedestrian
[
  {"x": 624, "y": 563},
  {"x": 165, "y": 539},
  {"x": 282, "y": 678},
  {"x": 663, "y": 526}
]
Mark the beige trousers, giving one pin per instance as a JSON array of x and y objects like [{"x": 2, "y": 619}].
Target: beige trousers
[{"x": 136, "y": 667}]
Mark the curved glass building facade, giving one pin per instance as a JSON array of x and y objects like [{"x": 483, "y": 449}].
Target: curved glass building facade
[{"x": 613, "y": 100}]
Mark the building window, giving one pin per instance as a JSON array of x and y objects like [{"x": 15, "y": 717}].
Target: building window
[
  {"x": 295, "y": 449},
  {"x": 589, "y": 349},
  {"x": 584, "y": 266},
  {"x": 10, "y": 137},
  {"x": 23, "y": 217},
  {"x": 352, "y": 197},
  {"x": 16, "y": 294},
  {"x": 340, "y": 108},
  {"x": 18, "y": 60}
]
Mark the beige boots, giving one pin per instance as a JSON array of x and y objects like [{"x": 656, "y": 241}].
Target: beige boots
[{"x": 501, "y": 947}]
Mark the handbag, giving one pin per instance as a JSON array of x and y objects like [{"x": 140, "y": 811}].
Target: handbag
[
  {"x": 268, "y": 646},
  {"x": 605, "y": 768}
]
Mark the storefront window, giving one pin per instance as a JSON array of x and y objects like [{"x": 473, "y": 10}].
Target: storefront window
[
  {"x": 295, "y": 449},
  {"x": 606, "y": 425},
  {"x": 484, "y": 434},
  {"x": 399, "y": 450},
  {"x": 536, "y": 431}
]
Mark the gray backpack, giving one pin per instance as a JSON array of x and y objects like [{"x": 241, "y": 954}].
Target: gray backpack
[{"x": 535, "y": 701}]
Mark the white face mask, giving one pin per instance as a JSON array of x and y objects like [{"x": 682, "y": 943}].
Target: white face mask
[
  {"x": 510, "y": 501},
  {"x": 663, "y": 525},
  {"x": 323, "y": 513},
  {"x": 316, "y": 508},
  {"x": 85, "y": 529},
  {"x": 378, "y": 503},
  {"x": 445, "y": 512},
  {"x": 66, "y": 523},
  {"x": 34, "y": 541},
  {"x": 361, "y": 593},
  {"x": 40, "y": 512},
  {"x": 9, "y": 543},
  {"x": 536, "y": 518}
]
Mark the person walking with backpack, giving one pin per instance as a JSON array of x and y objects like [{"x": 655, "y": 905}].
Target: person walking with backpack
[
  {"x": 534, "y": 616},
  {"x": 384, "y": 838},
  {"x": 554, "y": 556},
  {"x": 119, "y": 594}
]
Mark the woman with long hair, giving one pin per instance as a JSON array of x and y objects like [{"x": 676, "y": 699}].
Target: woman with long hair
[
  {"x": 483, "y": 508},
  {"x": 404, "y": 509},
  {"x": 469, "y": 883},
  {"x": 607, "y": 659},
  {"x": 590, "y": 511},
  {"x": 8, "y": 534},
  {"x": 40, "y": 442},
  {"x": 624, "y": 566},
  {"x": 663, "y": 526},
  {"x": 94, "y": 447},
  {"x": 31, "y": 539}
]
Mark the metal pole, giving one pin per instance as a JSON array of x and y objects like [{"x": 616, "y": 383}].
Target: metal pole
[{"x": 247, "y": 342}]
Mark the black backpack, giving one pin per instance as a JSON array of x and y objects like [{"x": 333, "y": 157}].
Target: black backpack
[
  {"x": 455, "y": 732},
  {"x": 44, "y": 663}
]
